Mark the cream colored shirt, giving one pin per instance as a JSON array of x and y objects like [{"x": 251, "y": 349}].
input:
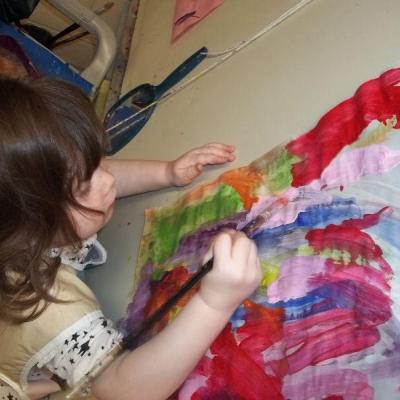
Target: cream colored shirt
[{"x": 67, "y": 340}]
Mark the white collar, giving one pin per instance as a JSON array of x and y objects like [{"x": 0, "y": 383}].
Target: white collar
[{"x": 90, "y": 251}]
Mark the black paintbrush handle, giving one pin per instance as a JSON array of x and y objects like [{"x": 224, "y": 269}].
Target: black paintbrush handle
[{"x": 134, "y": 338}]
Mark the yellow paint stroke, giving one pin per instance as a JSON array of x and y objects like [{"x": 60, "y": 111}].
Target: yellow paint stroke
[{"x": 270, "y": 273}]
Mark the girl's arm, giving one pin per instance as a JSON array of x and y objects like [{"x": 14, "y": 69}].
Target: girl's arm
[
  {"x": 156, "y": 369},
  {"x": 39, "y": 389},
  {"x": 133, "y": 177}
]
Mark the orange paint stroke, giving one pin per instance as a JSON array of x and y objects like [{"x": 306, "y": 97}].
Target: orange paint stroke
[
  {"x": 244, "y": 180},
  {"x": 164, "y": 290}
]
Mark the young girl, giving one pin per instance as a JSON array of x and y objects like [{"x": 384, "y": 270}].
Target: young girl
[{"x": 56, "y": 192}]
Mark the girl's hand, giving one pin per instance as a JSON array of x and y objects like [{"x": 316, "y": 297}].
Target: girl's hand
[
  {"x": 189, "y": 166},
  {"x": 236, "y": 272}
]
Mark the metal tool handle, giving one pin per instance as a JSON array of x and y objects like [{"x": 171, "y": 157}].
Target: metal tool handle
[{"x": 180, "y": 72}]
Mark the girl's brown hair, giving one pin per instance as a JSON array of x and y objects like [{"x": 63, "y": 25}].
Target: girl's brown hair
[{"x": 50, "y": 142}]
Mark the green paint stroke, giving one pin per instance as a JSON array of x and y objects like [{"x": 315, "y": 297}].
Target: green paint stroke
[
  {"x": 279, "y": 172},
  {"x": 305, "y": 250},
  {"x": 337, "y": 256},
  {"x": 168, "y": 229},
  {"x": 158, "y": 274}
]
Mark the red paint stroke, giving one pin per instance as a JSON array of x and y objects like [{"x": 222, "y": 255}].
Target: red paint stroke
[
  {"x": 236, "y": 369},
  {"x": 164, "y": 290},
  {"x": 233, "y": 374},
  {"x": 366, "y": 221},
  {"x": 377, "y": 99},
  {"x": 322, "y": 337},
  {"x": 348, "y": 237},
  {"x": 356, "y": 242},
  {"x": 337, "y": 272},
  {"x": 371, "y": 306},
  {"x": 262, "y": 328}
]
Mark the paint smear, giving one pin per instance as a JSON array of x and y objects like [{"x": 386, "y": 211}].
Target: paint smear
[{"x": 377, "y": 99}]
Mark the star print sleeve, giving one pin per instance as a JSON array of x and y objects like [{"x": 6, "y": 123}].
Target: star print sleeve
[
  {"x": 74, "y": 353},
  {"x": 7, "y": 393}
]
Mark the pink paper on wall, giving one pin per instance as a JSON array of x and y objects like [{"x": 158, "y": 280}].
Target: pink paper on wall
[{"x": 189, "y": 13}]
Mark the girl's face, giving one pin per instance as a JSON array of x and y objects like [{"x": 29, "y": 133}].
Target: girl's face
[{"x": 98, "y": 194}]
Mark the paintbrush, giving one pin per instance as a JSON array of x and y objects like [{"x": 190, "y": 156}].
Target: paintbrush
[{"x": 137, "y": 337}]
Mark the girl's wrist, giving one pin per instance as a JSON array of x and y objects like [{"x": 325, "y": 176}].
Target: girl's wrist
[
  {"x": 220, "y": 312},
  {"x": 169, "y": 173}
]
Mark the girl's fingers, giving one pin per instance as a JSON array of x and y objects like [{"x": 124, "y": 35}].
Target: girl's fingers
[
  {"x": 220, "y": 149},
  {"x": 207, "y": 257},
  {"x": 253, "y": 256},
  {"x": 205, "y": 159},
  {"x": 214, "y": 157},
  {"x": 241, "y": 248},
  {"x": 214, "y": 146},
  {"x": 254, "y": 264},
  {"x": 211, "y": 248},
  {"x": 222, "y": 248},
  {"x": 221, "y": 146},
  {"x": 212, "y": 153}
]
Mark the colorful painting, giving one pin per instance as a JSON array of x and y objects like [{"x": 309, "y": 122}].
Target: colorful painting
[{"x": 324, "y": 208}]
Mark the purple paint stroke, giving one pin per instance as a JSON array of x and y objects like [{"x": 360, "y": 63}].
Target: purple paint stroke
[
  {"x": 352, "y": 272},
  {"x": 320, "y": 381},
  {"x": 389, "y": 368},
  {"x": 293, "y": 277},
  {"x": 286, "y": 245},
  {"x": 297, "y": 201},
  {"x": 350, "y": 166},
  {"x": 193, "y": 246},
  {"x": 135, "y": 310},
  {"x": 269, "y": 203},
  {"x": 370, "y": 305}
]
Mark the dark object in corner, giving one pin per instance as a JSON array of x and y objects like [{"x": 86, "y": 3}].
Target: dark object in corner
[{"x": 13, "y": 11}]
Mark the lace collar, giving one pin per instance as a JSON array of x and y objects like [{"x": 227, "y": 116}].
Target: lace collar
[{"x": 90, "y": 251}]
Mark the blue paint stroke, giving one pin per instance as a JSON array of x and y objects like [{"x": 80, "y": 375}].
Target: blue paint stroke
[{"x": 316, "y": 216}]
